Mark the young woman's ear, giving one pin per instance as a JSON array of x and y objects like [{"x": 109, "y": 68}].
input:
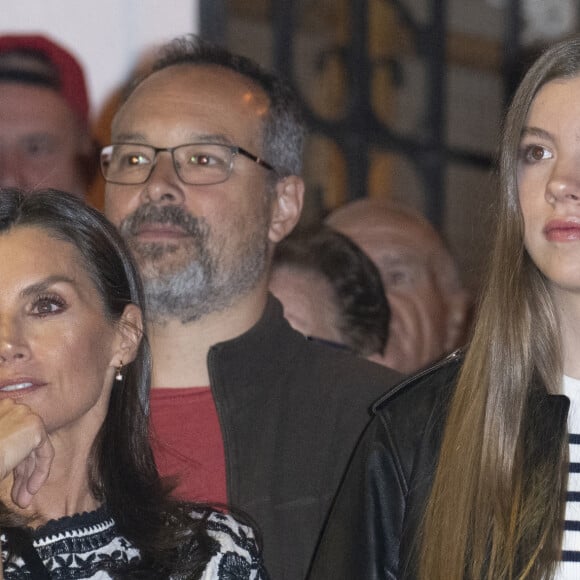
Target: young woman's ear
[
  {"x": 130, "y": 334},
  {"x": 287, "y": 207}
]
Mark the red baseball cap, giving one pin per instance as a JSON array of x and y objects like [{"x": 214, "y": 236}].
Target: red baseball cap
[{"x": 70, "y": 79}]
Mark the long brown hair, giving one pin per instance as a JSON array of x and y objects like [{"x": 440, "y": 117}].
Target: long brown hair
[{"x": 496, "y": 508}]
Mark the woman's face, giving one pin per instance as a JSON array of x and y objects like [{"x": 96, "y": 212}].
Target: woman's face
[
  {"x": 549, "y": 183},
  {"x": 57, "y": 347}
]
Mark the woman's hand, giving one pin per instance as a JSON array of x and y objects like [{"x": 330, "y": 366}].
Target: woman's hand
[{"x": 25, "y": 450}]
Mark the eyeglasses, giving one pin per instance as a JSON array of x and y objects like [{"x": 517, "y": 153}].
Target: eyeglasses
[{"x": 194, "y": 163}]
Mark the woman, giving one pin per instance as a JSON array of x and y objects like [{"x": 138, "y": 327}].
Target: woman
[
  {"x": 463, "y": 472},
  {"x": 80, "y": 493}
]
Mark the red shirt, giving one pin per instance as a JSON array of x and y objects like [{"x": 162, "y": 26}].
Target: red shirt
[{"x": 187, "y": 442}]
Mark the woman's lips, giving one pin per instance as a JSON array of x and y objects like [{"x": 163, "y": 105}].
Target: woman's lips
[
  {"x": 16, "y": 387},
  {"x": 562, "y": 231},
  {"x": 19, "y": 386}
]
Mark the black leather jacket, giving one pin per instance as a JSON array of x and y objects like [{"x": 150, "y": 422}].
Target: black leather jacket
[
  {"x": 291, "y": 412},
  {"x": 372, "y": 529}
]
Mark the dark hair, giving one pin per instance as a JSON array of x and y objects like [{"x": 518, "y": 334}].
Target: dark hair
[
  {"x": 283, "y": 126},
  {"x": 43, "y": 74},
  {"x": 364, "y": 311},
  {"x": 121, "y": 469}
]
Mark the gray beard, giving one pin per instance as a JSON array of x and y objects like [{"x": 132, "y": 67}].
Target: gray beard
[{"x": 205, "y": 284}]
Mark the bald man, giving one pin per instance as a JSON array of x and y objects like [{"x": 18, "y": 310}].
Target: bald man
[{"x": 428, "y": 303}]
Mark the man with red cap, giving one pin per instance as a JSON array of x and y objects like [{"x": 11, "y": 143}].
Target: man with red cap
[{"x": 44, "y": 112}]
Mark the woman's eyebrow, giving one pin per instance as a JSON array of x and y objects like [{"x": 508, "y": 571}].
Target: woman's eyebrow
[
  {"x": 45, "y": 284},
  {"x": 536, "y": 132}
]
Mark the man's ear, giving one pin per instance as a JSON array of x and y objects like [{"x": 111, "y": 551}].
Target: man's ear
[
  {"x": 458, "y": 311},
  {"x": 130, "y": 334},
  {"x": 286, "y": 207}
]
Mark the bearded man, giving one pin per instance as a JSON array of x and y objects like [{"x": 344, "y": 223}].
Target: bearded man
[{"x": 203, "y": 182}]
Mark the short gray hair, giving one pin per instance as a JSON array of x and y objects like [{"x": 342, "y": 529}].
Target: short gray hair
[{"x": 284, "y": 127}]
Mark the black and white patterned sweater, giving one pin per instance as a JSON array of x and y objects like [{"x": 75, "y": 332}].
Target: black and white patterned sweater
[{"x": 87, "y": 546}]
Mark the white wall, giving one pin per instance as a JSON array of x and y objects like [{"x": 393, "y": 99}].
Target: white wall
[{"x": 107, "y": 36}]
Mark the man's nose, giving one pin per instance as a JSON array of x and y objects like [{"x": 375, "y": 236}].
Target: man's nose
[
  {"x": 12, "y": 170},
  {"x": 163, "y": 185}
]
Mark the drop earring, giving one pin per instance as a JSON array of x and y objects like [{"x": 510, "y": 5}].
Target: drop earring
[{"x": 119, "y": 374}]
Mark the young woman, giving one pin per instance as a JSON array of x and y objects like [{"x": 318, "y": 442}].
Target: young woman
[
  {"x": 470, "y": 470},
  {"x": 80, "y": 494}
]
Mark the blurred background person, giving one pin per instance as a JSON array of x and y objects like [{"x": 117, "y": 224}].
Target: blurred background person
[
  {"x": 429, "y": 305},
  {"x": 331, "y": 290},
  {"x": 44, "y": 117}
]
